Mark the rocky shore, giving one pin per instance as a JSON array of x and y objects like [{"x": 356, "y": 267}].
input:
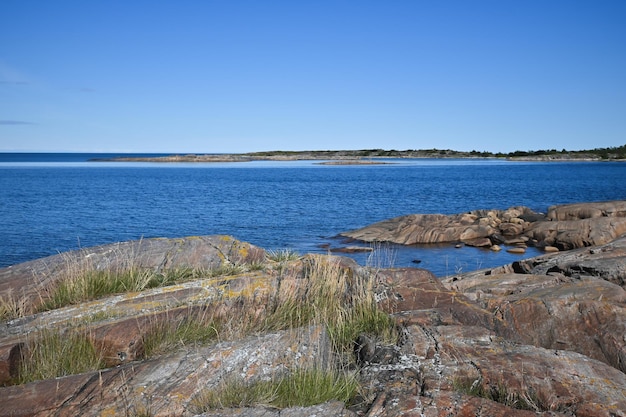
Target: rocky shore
[
  {"x": 369, "y": 156},
  {"x": 545, "y": 336},
  {"x": 564, "y": 227}
]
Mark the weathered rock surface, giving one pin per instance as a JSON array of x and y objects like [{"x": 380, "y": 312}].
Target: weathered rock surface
[
  {"x": 564, "y": 227},
  {"x": 541, "y": 337},
  {"x": 29, "y": 279},
  {"x": 453, "y": 339},
  {"x": 603, "y": 261},
  {"x": 559, "y": 301},
  {"x": 167, "y": 385}
]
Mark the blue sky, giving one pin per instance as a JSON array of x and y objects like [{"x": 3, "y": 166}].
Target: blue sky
[{"x": 238, "y": 76}]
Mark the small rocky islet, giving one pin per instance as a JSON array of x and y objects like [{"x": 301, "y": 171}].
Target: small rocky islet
[{"x": 543, "y": 336}]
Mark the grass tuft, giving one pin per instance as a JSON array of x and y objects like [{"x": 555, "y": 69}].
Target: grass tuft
[
  {"x": 234, "y": 393},
  {"x": 302, "y": 387},
  {"x": 282, "y": 255},
  {"x": 525, "y": 400},
  {"x": 87, "y": 284},
  {"x": 12, "y": 307},
  {"x": 51, "y": 354},
  {"x": 168, "y": 336},
  {"x": 310, "y": 290},
  {"x": 335, "y": 296},
  {"x": 306, "y": 387}
]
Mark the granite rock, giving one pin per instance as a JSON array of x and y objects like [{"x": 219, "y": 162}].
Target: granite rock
[
  {"x": 564, "y": 227},
  {"x": 540, "y": 337}
]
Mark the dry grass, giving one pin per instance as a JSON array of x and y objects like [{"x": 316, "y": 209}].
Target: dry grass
[
  {"x": 79, "y": 285},
  {"x": 84, "y": 282},
  {"x": 326, "y": 293},
  {"x": 12, "y": 306},
  {"x": 301, "y": 387},
  {"x": 310, "y": 290},
  {"x": 525, "y": 399},
  {"x": 51, "y": 354},
  {"x": 168, "y": 336},
  {"x": 332, "y": 295}
]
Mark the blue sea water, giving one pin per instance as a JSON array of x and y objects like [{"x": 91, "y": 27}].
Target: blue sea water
[{"x": 50, "y": 203}]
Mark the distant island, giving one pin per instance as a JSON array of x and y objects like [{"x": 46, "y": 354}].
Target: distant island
[{"x": 377, "y": 156}]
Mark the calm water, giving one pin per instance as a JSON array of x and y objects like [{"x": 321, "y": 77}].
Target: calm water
[{"x": 55, "y": 203}]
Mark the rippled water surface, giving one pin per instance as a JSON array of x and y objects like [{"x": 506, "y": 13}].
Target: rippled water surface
[{"x": 54, "y": 203}]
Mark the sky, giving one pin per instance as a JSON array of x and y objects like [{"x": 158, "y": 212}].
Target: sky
[{"x": 214, "y": 76}]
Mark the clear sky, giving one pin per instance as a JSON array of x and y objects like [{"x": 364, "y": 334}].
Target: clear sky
[{"x": 237, "y": 76}]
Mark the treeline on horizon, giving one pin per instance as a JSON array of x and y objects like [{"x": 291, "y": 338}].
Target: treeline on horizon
[{"x": 618, "y": 152}]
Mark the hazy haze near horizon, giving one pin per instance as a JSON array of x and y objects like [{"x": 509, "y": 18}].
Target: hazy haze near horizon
[{"x": 243, "y": 76}]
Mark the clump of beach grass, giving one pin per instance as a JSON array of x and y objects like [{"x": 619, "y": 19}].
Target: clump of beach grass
[
  {"x": 93, "y": 284},
  {"x": 332, "y": 295},
  {"x": 83, "y": 283},
  {"x": 167, "y": 336},
  {"x": 302, "y": 387},
  {"x": 327, "y": 293},
  {"x": 524, "y": 399},
  {"x": 381, "y": 256},
  {"x": 51, "y": 354},
  {"x": 12, "y": 307},
  {"x": 282, "y": 255}
]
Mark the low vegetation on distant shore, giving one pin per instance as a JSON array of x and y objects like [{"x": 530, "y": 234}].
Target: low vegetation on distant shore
[{"x": 365, "y": 156}]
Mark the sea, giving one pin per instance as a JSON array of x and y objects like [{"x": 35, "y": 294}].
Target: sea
[{"x": 56, "y": 202}]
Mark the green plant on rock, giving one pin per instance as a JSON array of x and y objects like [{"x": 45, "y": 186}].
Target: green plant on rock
[
  {"x": 525, "y": 399},
  {"x": 282, "y": 255},
  {"x": 167, "y": 336},
  {"x": 51, "y": 354},
  {"x": 306, "y": 387},
  {"x": 12, "y": 307},
  {"x": 335, "y": 296},
  {"x": 301, "y": 387},
  {"x": 93, "y": 284},
  {"x": 81, "y": 284}
]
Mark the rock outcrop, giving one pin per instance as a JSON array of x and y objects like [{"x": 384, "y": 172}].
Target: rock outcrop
[
  {"x": 457, "y": 344},
  {"x": 29, "y": 279},
  {"x": 541, "y": 337},
  {"x": 563, "y": 227},
  {"x": 572, "y": 301}
]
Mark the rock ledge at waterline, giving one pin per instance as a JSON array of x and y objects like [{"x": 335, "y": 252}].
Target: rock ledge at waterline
[
  {"x": 546, "y": 333},
  {"x": 564, "y": 227}
]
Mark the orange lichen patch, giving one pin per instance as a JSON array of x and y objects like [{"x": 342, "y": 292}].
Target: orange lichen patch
[{"x": 247, "y": 285}]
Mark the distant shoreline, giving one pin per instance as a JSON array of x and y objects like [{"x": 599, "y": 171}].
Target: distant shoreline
[{"x": 378, "y": 156}]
